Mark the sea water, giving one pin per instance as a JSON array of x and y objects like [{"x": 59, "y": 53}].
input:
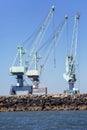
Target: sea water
[{"x": 44, "y": 120}]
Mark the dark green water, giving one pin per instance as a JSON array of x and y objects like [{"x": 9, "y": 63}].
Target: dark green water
[{"x": 44, "y": 120}]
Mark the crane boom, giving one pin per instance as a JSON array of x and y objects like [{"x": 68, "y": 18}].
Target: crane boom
[
  {"x": 41, "y": 34},
  {"x": 75, "y": 36},
  {"x": 54, "y": 40},
  {"x": 42, "y": 29}
]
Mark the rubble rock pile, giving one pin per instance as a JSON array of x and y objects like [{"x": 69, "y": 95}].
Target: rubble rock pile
[{"x": 43, "y": 102}]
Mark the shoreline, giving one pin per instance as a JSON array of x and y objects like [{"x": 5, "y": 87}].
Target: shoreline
[{"x": 43, "y": 102}]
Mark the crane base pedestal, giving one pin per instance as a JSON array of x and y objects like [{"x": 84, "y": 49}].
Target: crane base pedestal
[
  {"x": 14, "y": 89},
  {"x": 40, "y": 90},
  {"x": 71, "y": 91}
]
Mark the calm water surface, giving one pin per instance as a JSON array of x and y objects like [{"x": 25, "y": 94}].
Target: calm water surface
[{"x": 44, "y": 120}]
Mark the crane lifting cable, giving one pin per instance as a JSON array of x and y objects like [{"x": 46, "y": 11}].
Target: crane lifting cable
[
  {"x": 28, "y": 39},
  {"x": 47, "y": 42}
]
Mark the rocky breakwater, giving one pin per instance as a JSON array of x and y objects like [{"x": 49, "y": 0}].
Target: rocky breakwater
[{"x": 43, "y": 102}]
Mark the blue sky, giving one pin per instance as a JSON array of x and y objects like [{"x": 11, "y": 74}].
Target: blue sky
[{"x": 19, "y": 18}]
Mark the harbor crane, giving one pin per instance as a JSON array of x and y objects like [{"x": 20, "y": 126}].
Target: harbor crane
[
  {"x": 18, "y": 70},
  {"x": 71, "y": 63},
  {"x": 35, "y": 74}
]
